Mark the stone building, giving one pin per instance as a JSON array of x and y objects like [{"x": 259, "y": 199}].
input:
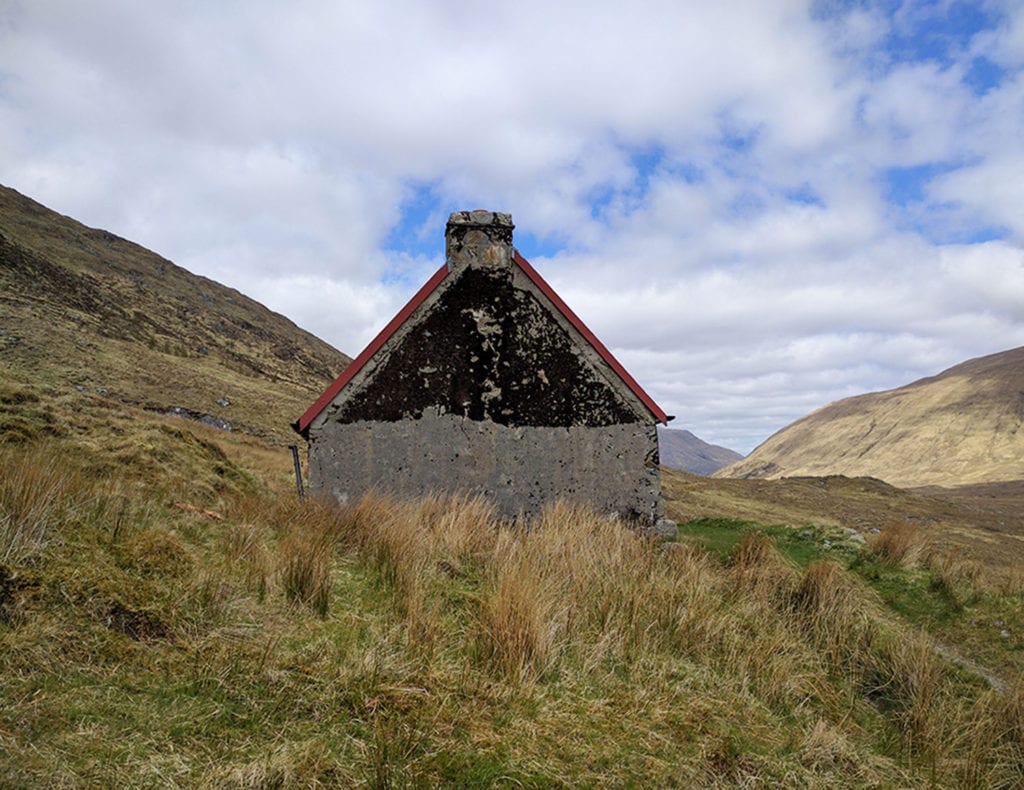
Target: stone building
[{"x": 487, "y": 383}]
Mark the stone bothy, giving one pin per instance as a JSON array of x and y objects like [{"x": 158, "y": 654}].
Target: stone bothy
[{"x": 487, "y": 383}]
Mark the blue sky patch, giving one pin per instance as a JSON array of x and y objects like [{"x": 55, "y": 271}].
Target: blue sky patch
[
  {"x": 600, "y": 199},
  {"x": 739, "y": 140},
  {"x": 805, "y": 196},
  {"x": 905, "y": 189},
  {"x": 690, "y": 172},
  {"x": 530, "y": 245},
  {"x": 646, "y": 161},
  {"x": 983, "y": 75},
  {"x": 932, "y": 31},
  {"x": 416, "y": 233},
  {"x": 906, "y": 185},
  {"x": 982, "y": 235},
  {"x": 747, "y": 204}
]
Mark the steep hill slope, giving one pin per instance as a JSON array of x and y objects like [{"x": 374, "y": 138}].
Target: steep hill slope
[
  {"x": 82, "y": 310},
  {"x": 960, "y": 427},
  {"x": 682, "y": 450}
]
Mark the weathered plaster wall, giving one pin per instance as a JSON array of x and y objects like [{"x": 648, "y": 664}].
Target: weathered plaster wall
[{"x": 613, "y": 467}]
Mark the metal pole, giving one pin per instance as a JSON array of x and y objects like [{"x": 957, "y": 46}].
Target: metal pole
[{"x": 298, "y": 470}]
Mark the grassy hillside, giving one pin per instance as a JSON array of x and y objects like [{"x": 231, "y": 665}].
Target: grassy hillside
[
  {"x": 982, "y": 524},
  {"x": 85, "y": 312},
  {"x": 963, "y": 426},
  {"x": 960, "y": 570}
]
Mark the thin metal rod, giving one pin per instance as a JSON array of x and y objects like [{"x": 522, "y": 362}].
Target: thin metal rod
[{"x": 298, "y": 470}]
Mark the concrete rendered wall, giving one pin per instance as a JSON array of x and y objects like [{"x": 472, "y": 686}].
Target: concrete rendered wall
[{"x": 614, "y": 468}]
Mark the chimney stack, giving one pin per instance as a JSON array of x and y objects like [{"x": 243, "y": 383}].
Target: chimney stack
[{"x": 479, "y": 239}]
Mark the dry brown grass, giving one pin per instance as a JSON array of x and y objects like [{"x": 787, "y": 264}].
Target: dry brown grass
[
  {"x": 304, "y": 566},
  {"x": 901, "y": 544},
  {"x": 760, "y": 568},
  {"x": 245, "y": 549},
  {"x": 426, "y": 642},
  {"x": 832, "y": 611},
  {"x": 961, "y": 579},
  {"x": 37, "y": 496},
  {"x": 518, "y": 634},
  {"x": 575, "y": 590}
]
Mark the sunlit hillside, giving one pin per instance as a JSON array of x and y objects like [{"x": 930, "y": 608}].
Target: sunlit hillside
[{"x": 963, "y": 426}]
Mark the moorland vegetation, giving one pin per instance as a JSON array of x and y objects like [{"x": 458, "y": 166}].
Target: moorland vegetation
[{"x": 172, "y": 615}]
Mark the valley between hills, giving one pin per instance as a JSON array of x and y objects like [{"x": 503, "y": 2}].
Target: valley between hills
[{"x": 171, "y": 615}]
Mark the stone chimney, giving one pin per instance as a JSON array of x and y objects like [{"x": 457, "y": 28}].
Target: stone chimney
[{"x": 479, "y": 239}]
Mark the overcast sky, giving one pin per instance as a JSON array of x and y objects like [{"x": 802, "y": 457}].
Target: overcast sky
[{"x": 760, "y": 206}]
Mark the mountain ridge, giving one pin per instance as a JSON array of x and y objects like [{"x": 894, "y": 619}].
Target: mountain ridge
[
  {"x": 85, "y": 308},
  {"x": 682, "y": 450},
  {"x": 962, "y": 426}
]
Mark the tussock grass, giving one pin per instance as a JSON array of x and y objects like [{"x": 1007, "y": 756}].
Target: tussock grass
[
  {"x": 304, "y": 565},
  {"x": 760, "y": 568},
  {"x": 960, "y": 581},
  {"x": 901, "y": 544},
  {"x": 246, "y": 551},
  {"x": 36, "y": 497},
  {"x": 251, "y": 640},
  {"x": 831, "y": 610}
]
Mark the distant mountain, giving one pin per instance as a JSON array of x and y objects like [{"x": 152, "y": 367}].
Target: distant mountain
[
  {"x": 682, "y": 450},
  {"x": 963, "y": 426},
  {"x": 84, "y": 310}
]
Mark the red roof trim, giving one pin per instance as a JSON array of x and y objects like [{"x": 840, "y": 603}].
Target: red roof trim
[
  {"x": 357, "y": 364},
  {"x": 591, "y": 338}
]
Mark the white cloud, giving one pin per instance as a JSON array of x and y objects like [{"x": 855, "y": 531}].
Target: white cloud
[
  {"x": 334, "y": 307},
  {"x": 917, "y": 108},
  {"x": 987, "y": 278},
  {"x": 992, "y": 190},
  {"x": 1004, "y": 45}
]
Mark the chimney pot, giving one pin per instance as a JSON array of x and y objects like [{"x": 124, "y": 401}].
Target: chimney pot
[{"x": 480, "y": 238}]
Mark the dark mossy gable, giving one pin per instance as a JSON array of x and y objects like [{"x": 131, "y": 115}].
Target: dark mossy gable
[{"x": 489, "y": 351}]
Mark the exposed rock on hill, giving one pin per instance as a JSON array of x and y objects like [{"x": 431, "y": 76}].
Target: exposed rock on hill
[
  {"x": 682, "y": 450},
  {"x": 959, "y": 427},
  {"x": 84, "y": 309}
]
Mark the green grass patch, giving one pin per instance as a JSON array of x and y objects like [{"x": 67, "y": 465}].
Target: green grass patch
[
  {"x": 801, "y": 545},
  {"x": 986, "y": 626},
  {"x": 914, "y": 593}
]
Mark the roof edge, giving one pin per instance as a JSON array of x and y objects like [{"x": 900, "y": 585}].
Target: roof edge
[
  {"x": 589, "y": 336},
  {"x": 357, "y": 364}
]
